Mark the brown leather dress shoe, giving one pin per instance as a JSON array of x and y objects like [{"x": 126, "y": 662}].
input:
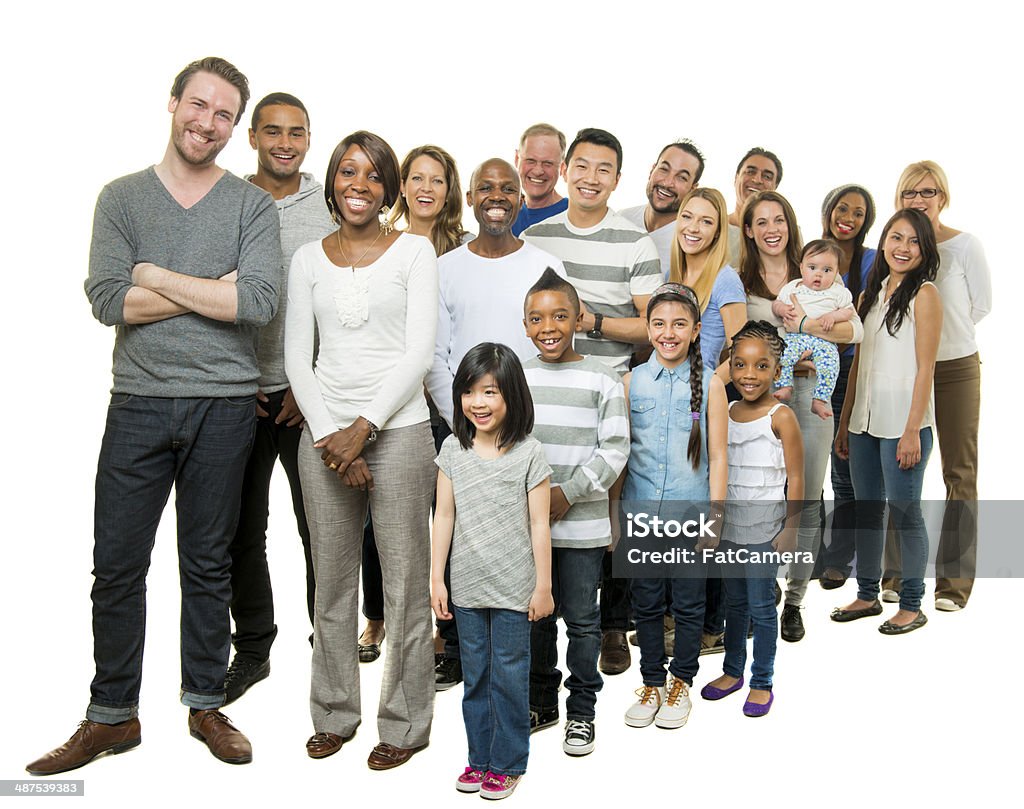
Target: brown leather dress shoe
[
  {"x": 322, "y": 745},
  {"x": 615, "y": 657},
  {"x": 386, "y": 756},
  {"x": 225, "y": 741},
  {"x": 90, "y": 740}
]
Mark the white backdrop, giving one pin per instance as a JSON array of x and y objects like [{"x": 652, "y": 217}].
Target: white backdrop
[{"x": 846, "y": 93}]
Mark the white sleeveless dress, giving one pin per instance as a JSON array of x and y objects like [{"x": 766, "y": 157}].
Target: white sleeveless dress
[{"x": 756, "y": 503}]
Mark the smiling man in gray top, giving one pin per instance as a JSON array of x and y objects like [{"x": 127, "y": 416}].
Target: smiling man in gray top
[{"x": 186, "y": 264}]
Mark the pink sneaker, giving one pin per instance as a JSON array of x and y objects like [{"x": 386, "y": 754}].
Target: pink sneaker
[
  {"x": 470, "y": 780},
  {"x": 496, "y": 787}
]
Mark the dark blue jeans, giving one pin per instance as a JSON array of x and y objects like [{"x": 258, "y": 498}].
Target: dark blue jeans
[
  {"x": 496, "y": 688},
  {"x": 750, "y": 599},
  {"x": 200, "y": 447},
  {"x": 878, "y": 480},
  {"x": 688, "y": 598},
  {"x": 575, "y": 576},
  {"x": 252, "y": 597}
]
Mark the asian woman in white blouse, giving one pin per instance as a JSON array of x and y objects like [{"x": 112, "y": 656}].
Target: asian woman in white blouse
[{"x": 888, "y": 416}]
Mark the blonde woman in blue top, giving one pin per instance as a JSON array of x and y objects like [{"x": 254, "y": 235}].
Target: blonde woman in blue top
[{"x": 700, "y": 260}]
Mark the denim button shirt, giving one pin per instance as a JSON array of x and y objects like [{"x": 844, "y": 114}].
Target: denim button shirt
[{"x": 660, "y": 423}]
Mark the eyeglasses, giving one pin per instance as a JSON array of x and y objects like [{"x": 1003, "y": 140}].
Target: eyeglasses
[{"x": 925, "y": 193}]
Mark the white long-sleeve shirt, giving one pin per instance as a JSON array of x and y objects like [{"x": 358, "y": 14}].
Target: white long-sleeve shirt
[
  {"x": 376, "y": 327},
  {"x": 965, "y": 286},
  {"x": 481, "y": 300}
]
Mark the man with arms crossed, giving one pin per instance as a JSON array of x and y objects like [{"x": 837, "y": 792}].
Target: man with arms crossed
[
  {"x": 280, "y": 135},
  {"x": 186, "y": 263},
  {"x": 614, "y": 266}
]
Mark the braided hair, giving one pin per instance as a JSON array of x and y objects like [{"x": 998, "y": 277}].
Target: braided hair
[
  {"x": 680, "y": 293},
  {"x": 760, "y": 330}
]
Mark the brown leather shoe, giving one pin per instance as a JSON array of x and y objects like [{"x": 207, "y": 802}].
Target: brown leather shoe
[
  {"x": 386, "y": 757},
  {"x": 90, "y": 740},
  {"x": 614, "y": 657},
  {"x": 322, "y": 745},
  {"x": 225, "y": 741}
]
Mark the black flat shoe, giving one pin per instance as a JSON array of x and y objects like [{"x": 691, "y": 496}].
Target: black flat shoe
[
  {"x": 889, "y": 628},
  {"x": 368, "y": 652},
  {"x": 843, "y": 616},
  {"x": 828, "y": 582}
]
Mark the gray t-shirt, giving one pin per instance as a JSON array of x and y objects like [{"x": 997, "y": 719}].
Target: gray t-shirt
[
  {"x": 492, "y": 553},
  {"x": 234, "y": 227},
  {"x": 662, "y": 237}
]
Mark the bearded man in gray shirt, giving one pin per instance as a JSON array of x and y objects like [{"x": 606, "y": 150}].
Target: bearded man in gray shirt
[{"x": 186, "y": 264}]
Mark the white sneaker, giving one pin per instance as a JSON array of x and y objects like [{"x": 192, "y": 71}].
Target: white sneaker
[
  {"x": 947, "y": 605},
  {"x": 642, "y": 713},
  {"x": 890, "y": 597},
  {"x": 675, "y": 710}
]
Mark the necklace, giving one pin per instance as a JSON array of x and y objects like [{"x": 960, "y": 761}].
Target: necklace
[{"x": 345, "y": 255}]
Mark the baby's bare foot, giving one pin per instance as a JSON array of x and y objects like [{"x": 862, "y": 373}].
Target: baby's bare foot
[
  {"x": 784, "y": 394},
  {"x": 821, "y": 408}
]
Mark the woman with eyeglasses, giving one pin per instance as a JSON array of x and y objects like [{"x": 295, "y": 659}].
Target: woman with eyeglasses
[{"x": 965, "y": 285}]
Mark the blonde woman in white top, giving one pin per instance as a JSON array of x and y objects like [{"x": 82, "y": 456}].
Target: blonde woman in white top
[
  {"x": 965, "y": 284},
  {"x": 886, "y": 426}
]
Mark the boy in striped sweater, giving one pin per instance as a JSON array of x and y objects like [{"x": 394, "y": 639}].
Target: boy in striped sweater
[{"x": 581, "y": 421}]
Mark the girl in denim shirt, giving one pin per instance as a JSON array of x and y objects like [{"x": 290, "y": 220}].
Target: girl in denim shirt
[{"x": 674, "y": 403}]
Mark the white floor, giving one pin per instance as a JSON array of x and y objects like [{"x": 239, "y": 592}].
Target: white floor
[{"x": 858, "y": 718}]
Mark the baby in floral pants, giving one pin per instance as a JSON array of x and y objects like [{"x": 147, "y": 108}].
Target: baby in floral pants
[{"x": 827, "y": 302}]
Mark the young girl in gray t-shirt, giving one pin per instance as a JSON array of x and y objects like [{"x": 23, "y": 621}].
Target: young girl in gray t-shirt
[{"x": 493, "y": 490}]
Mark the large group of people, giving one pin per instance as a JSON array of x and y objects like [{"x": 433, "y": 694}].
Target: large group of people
[{"x": 521, "y": 383}]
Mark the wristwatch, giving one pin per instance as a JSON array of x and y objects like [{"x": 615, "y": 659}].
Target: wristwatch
[
  {"x": 595, "y": 333},
  {"x": 373, "y": 431}
]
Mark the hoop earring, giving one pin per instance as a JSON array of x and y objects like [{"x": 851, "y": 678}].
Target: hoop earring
[{"x": 384, "y": 220}]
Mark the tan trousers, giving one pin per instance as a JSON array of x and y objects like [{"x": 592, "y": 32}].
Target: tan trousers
[{"x": 957, "y": 405}]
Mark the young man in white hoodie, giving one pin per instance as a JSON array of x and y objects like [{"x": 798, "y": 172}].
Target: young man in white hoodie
[{"x": 280, "y": 136}]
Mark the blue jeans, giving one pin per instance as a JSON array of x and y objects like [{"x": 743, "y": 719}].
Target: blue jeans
[
  {"x": 575, "y": 575},
  {"x": 199, "y": 446},
  {"x": 750, "y": 598},
  {"x": 495, "y": 650},
  {"x": 688, "y": 597},
  {"x": 877, "y": 478}
]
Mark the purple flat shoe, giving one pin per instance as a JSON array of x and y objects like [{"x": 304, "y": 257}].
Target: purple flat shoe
[
  {"x": 712, "y": 692},
  {"x": 756, "y": 709}
]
